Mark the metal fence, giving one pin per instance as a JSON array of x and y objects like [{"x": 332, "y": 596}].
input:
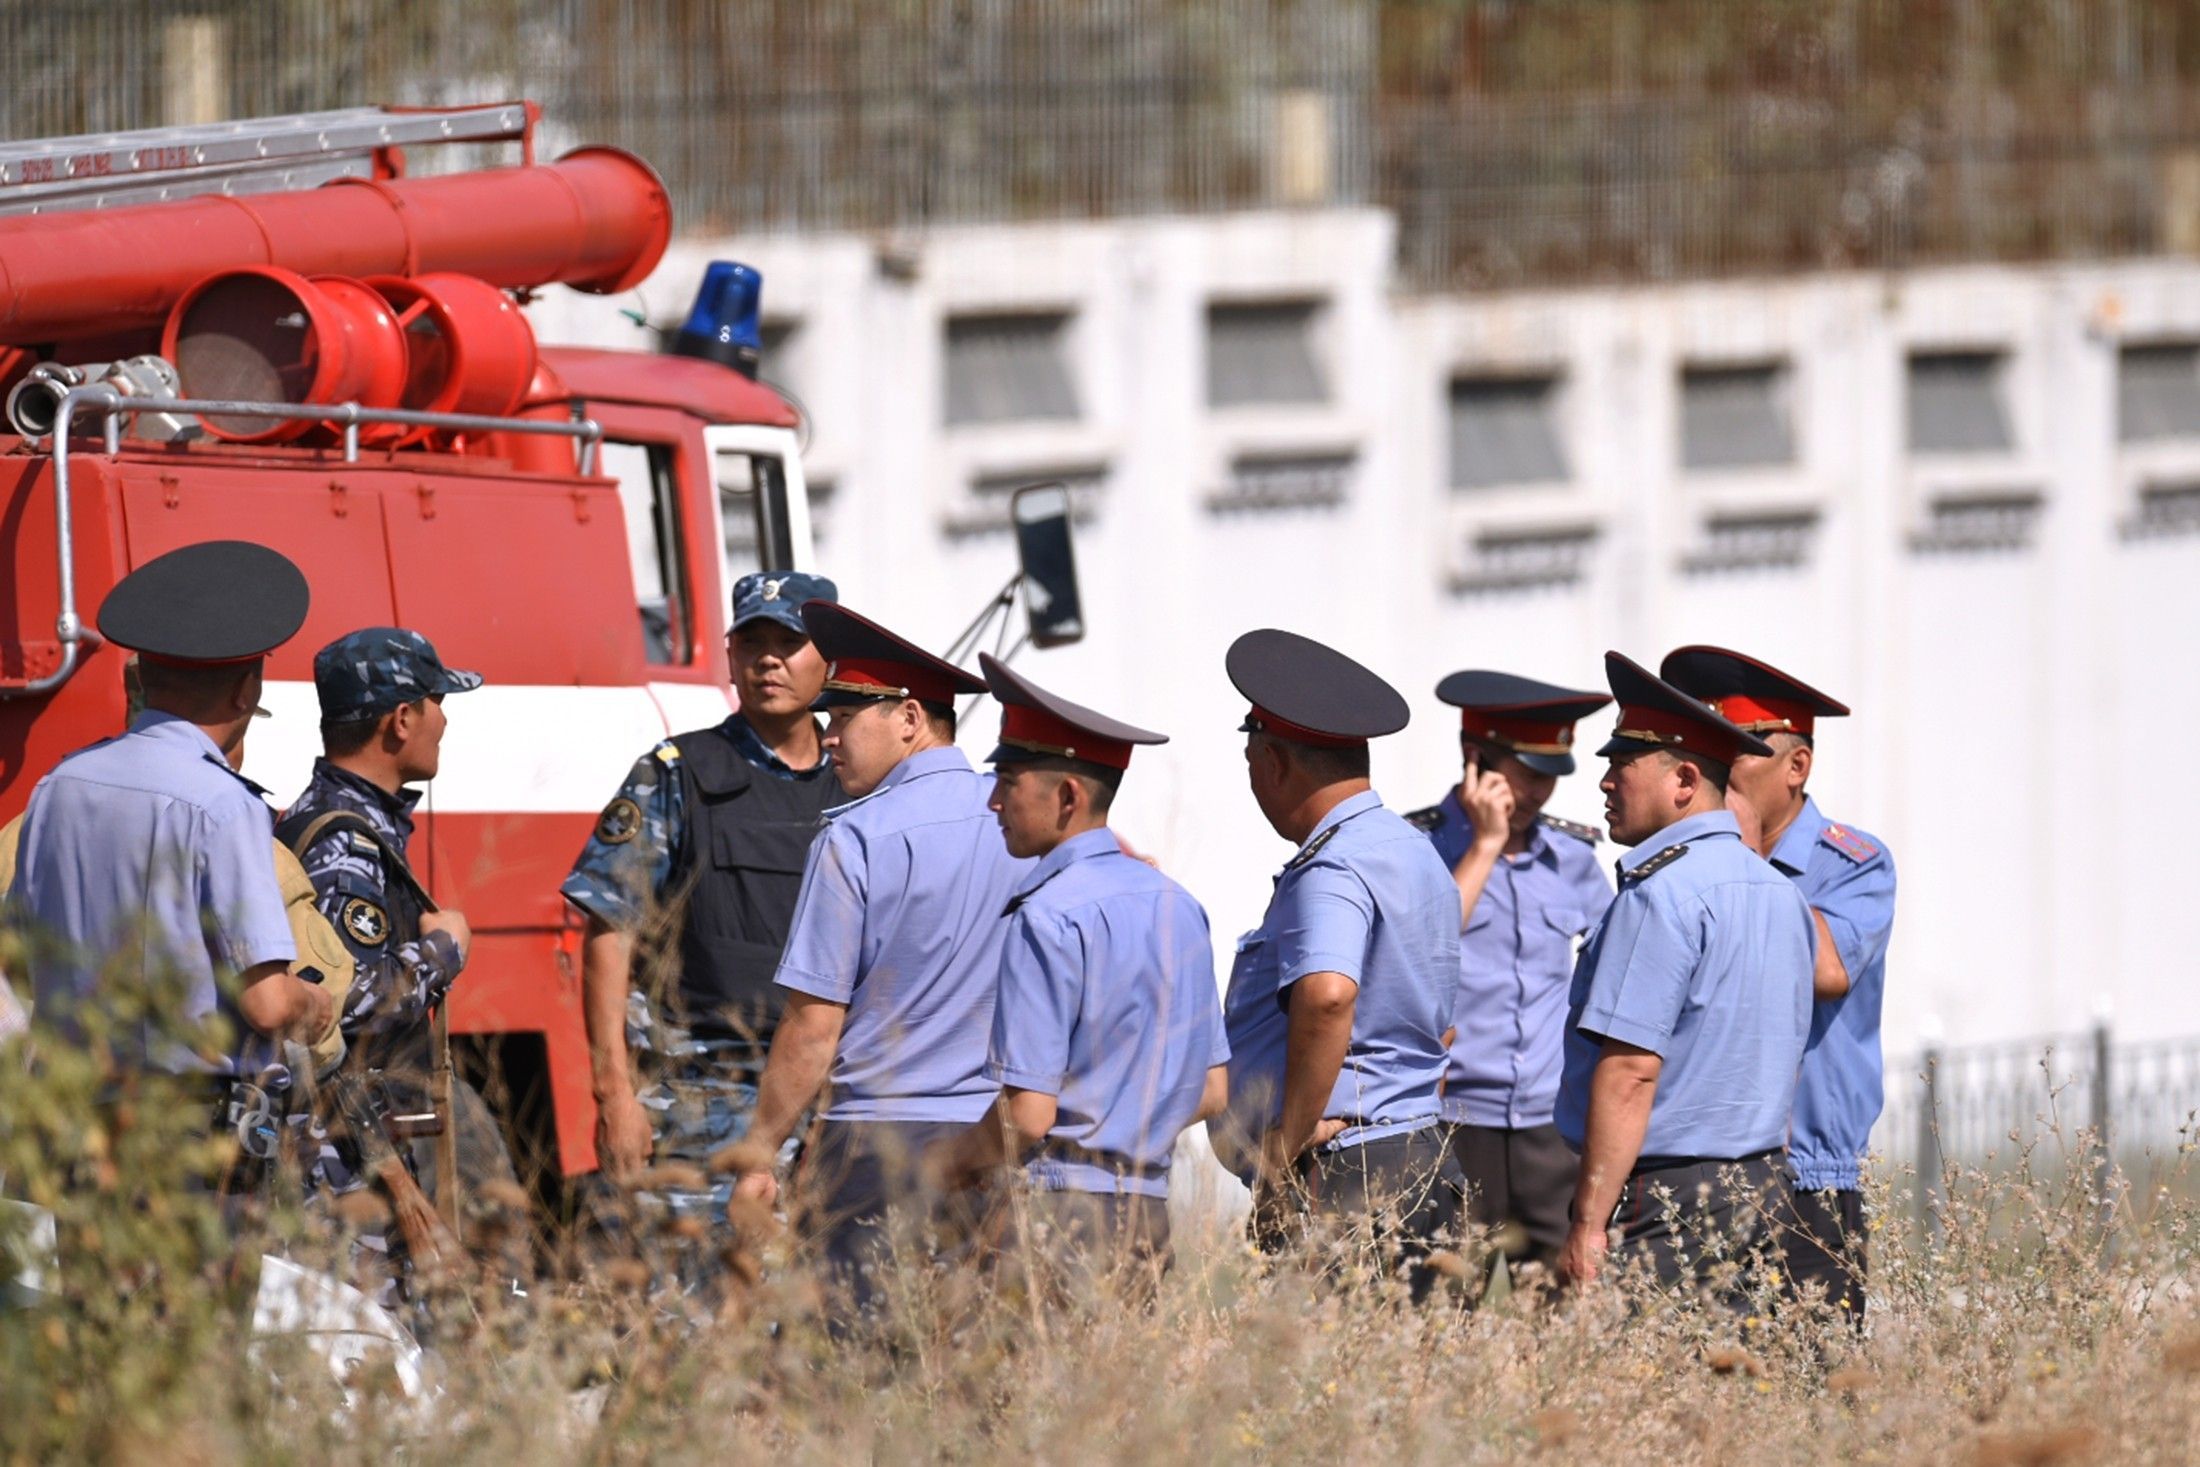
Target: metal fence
[
  {"x": 1517, "y": 142},
  {"x": 2081, "y": 1096}
]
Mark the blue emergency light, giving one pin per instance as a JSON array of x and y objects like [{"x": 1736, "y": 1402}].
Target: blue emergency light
[{"x": 723, "y": 325}]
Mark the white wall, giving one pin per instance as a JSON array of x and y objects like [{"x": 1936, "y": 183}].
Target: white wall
[{"x": 2019, "y": 711}]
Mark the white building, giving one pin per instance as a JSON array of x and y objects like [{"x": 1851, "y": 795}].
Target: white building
[{"x": 1965, "y": 501}]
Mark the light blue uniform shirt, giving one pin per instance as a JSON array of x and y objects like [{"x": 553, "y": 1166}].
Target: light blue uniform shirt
[
  {"x": 1108, "y": 1003},
  {"x": 151, "y": 862},
  {"x": 1704, "y": 959},
  {"x": 899, "y": 918},
  {"x": 1849, "y": 877},
  {"x": 1515, "y": 959},
  {"x": 1367, "y": 897}
]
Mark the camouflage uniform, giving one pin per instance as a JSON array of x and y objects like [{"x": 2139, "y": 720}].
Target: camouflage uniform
[
  {"x": 635, "y": 875},
  {"x": 700, "y": 1091},
  {"x": 401, "y": 974}
]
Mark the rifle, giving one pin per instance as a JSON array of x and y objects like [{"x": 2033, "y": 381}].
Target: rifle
[
  {"x": 439, "y": 1070},
  {"x": 427, "y": 1241}
]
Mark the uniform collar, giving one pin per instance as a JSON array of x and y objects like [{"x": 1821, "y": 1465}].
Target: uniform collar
[
  {"x": 1792, "y": 853},
  {"x": 152, "y": 723},
  {"x": 168, "y": 728},
  {"x": 751, "y": 746},
  {"x": 1084, "y": 846},
  {"x": 917, "y": 766},
  {"x": 1344, "y": 810},
  {"x": 398, "y": 807},
  {"x": 1695, "y": 827}
]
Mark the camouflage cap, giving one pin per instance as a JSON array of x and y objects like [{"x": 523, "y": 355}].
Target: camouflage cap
[
  {"x": 778, "y": 596},
  {"x": 366, "y": 673}
]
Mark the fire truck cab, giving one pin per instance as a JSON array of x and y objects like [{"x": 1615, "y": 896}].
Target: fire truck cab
[{"x": 197, "y": 346}]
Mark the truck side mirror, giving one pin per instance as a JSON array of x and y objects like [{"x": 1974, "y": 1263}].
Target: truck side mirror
[{"x": 1041, "y": 514}]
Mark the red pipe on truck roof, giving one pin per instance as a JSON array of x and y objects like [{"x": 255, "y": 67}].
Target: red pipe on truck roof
[{"x": 597, "y": 219}]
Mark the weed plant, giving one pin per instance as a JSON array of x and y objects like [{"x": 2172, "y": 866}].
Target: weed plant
[{"x": 2043, "y": 1316}]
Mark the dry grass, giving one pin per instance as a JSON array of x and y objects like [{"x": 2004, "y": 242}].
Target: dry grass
[{"x": 2040, "y": 1323}]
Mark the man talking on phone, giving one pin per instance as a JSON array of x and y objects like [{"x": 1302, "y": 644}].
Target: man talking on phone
[{"x": 1529, "y": 885}]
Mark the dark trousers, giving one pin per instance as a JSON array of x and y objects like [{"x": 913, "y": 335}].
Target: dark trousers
[
  {"x": 1525, "y": 1177},
  {"x": 1823, "y": 1238},
  {"x": 1704, "y": 1225},
  {"x": 1400, "y": 1194},
  {"x": 1068, "y": 1244},
  {"x": 862, "y": 1190}
]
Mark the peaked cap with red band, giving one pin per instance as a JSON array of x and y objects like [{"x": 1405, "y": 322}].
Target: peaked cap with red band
[
  {"x": 1310, "y": 694},
  {"x": 867, "y": 662},
  {"x": 1535, "y": 721},
  {"x": 1749, "y": 694},
  {"x": 1035, "y": 724},
  {"x": 1653, "y": 714},
  {"x": 215, "y": 602}
]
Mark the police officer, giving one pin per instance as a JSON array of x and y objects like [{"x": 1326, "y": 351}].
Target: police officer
[
  {"x": 1848, "y": 879},
  {"x": 381, "y": 692},
  {"x": 1529, "y": 884},
  {"x": 895, "y": 953},
  {"x": 319, "y": 949},
  {"x": 1688, "y": 1010},
  {"x": 148, "y": 857},
  {"x": 1107, "y": 1034},
  {"x": 1339, "y": 1000},
  {"x": 689, "y": 881}
]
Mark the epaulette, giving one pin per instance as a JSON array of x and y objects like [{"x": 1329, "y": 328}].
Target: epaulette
[
  {"x": 1848, "y": 843},
  {"x": 1313, "y": 848},
  {"x": 667, "y": 752},
  {"x": 1655, "y": 864},
  {"x": 1427, "y": 818},
  {"x": 1573, "y": 828},
  {"x": 362, "y": 844}
]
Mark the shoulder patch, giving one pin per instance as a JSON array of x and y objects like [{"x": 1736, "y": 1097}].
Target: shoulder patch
[
  {"x": 1655, "y": 864},
  {"x": 366, "y": 923},
  {"x": 667, "y": 752},
  {"x": 1848, "y": 843},
  {"x": 1426, "y": 818},
  {"x": 1573, "y": 828},
  {"x": 1313, "y": 848},
  {"x": 620, "y": 822},
  {"x": 364, "y": 844}
]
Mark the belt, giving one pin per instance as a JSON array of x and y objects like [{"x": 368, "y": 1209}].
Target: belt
[
  {"x": 1108, "y": 1161},
  {"x": 1647, "y": 1164}
]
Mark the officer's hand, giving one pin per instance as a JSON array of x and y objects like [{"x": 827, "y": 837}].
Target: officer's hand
[
  {"x": 1326, "y": 1130},
  {"x": 454, "y": 923},
  {"x": 758, "y": 1187},
  {"x": 624, "y": 1138},
  {"x": 1582, "y": 1259},
  {"x": 320, "y": 1012},
  {"x": 1487, "y": 797}
]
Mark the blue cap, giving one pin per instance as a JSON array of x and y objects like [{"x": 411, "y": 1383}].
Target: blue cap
[
  {"x": 364, "y": 674},
  {"x": 778, "y": 595}
]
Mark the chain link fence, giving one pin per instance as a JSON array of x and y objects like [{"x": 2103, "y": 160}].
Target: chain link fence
[{"x": 1518, "y": 143}]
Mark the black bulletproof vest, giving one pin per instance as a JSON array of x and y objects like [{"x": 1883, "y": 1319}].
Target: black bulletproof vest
[{"x": 741, "y": 865}]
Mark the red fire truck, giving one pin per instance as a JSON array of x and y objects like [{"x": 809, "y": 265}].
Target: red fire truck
[{"x": 269, "y": 331}]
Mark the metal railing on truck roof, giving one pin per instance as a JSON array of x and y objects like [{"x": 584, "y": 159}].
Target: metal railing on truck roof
[{"x": 113, "y": 407}]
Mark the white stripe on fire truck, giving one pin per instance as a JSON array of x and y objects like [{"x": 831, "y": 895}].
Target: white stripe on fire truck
[{"x": 518, "y": 749}]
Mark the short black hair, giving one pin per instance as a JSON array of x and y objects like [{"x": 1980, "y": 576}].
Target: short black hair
[
  {"x": 942, "y": 716},
  {"x": 1711, "y": 769},
  {"x": 348, "y": 736},
  {"x": 1331, "y": 766},
  {"x": 1101, "y": 781}
]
